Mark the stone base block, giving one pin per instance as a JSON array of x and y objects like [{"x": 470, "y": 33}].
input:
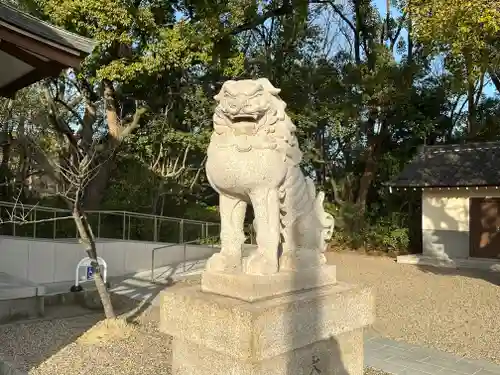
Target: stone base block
[
  {"x": 256, "y": 287},
  {"x": 318, "y": 331},
  {"x": 342, "y": 355}
]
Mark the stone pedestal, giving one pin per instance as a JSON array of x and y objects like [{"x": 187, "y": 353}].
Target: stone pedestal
[
  {"x": 310, "y": 331},
  {"x": 252, "y": 288}
]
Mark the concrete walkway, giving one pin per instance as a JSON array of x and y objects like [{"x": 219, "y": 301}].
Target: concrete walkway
[
  {"x": 399, "y": 358},
  {"x": 12, "y": 287}
]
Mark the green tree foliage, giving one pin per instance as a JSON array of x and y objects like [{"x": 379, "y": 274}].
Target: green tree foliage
[
  {"x": 467, "y": 31},
  {"x": 456, "y": 25},
  {"x": 363, "y": 93}
]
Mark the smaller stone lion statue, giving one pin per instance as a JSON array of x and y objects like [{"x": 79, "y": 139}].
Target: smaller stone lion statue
[{"x": 253, "y": 158}]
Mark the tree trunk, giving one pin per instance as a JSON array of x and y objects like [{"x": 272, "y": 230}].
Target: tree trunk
[
  {"x": 471, "y": 96},
  {"x": 113, "y": 121},
  {"x": 117, "y": 132},
  {"x": 495, "y": 78},
  {"x": 5, "y": 173},
  {"x": 371, "y": 164},
  {"x": 410, "y": 42},
  {"x": 357, "y": 31},
  {"x": 6, "y": 145},
  {"x": 364, "y": 184},
  {"x": 366, "y": 179},
  {"x": 95, "y": 190},
  {"x": 471, "y": 115},
  {"x": 88, "y": 241}
]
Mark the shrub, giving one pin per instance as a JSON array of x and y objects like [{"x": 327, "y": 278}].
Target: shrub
[
  {"x": 381, "y": 237},
  {"x": 382, "y": 234}
]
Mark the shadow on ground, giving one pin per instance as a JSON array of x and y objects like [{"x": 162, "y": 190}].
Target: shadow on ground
[
  {"x": 488, "y": 276},
  {"x": 29, "y": 343}
]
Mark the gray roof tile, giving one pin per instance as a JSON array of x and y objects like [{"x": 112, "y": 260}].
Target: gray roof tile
[
  {"x": 469, "y": 164},
  {"x": 45, "y": 30}
]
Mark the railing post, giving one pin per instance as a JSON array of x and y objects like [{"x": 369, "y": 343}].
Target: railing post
[
  {"x": 185, "y": 250},
  {"x": 54, "y": 231},
  {"x": 124, "y": 225},
  {"x": 128, "y": 232},
  {"x": 34, "y": 223},
  {"x": 181, "y": 231},
  {"x": 155, "y": 230},
  {"x": 99, "y": 225},
  {"x": 152, "y": 265}
]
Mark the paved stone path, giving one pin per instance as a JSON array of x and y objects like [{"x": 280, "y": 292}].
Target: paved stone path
[{"x": 400, "y": 358}]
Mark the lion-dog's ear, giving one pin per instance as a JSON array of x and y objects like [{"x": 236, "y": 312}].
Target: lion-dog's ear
[
  {"x": 218, "y": 97},
  {"x": 268, "y": 86}
]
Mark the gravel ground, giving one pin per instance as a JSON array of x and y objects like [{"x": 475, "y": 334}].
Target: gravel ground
[
  {"x": 63, "y": 343},
  {"x": 30, "y": 343},
  {"x": 104, "y": 348},
  {"x": 115, "y": 350},
  {"x": 457, "y": 311},
  {"x": 372, "y": 371}
]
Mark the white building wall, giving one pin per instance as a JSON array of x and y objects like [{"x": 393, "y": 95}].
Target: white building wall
[
  {"x": 445, "y": 220},
  {"x": 51, "y": 261}
]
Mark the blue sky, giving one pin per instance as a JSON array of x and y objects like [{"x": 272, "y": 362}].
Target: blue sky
[
  {"x": 381, "y": 5},
  {"x": 489, "y": 90}
]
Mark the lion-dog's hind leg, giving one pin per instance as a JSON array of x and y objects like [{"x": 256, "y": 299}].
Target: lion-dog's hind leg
[
  {"x": 264, "y": 261},
  {"x": 232, "y": 217}
]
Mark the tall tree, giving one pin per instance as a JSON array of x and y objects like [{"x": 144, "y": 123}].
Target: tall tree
[{"x": 469, "y": 29}]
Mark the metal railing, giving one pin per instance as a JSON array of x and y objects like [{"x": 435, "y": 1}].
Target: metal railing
[
  {"x": 184, "y": 245},
  {"x": 50, "y": 223},
  {"x": 55, "y": 223},
  {"x": 208, "y": 241}
]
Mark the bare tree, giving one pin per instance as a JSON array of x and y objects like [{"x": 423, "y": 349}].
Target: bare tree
[
  {"x": 87, "y": 134},
  {"x": 76, "y": 173}
]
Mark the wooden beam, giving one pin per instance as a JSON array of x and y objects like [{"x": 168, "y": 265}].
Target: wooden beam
[
  {"x": 54, "y": 54},
  {"x": 36, "y": 75},
  {"x": 42, "y": 68},
  {"x": 24, "y": 56}
]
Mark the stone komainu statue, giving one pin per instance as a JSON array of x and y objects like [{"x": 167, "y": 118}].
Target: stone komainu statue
[{"x": 254, "y": 157}]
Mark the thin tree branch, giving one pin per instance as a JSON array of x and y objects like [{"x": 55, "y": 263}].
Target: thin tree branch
[{"x": 198, "y": 172}]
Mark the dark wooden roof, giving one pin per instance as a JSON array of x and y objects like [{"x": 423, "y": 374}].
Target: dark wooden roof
[
  {"x": 31, "y": 49},
  {"x": 470, "y": 164}
]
